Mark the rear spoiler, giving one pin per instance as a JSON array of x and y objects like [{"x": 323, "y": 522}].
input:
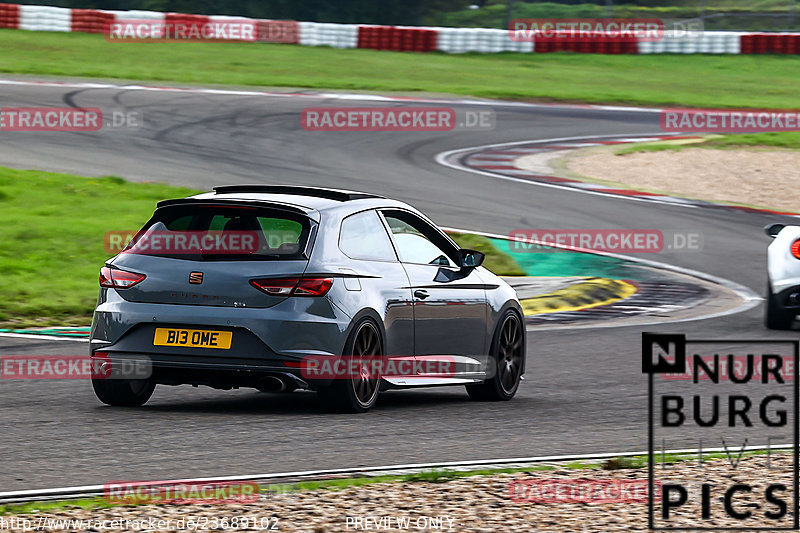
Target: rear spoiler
[{"x": 246, "y": 203}]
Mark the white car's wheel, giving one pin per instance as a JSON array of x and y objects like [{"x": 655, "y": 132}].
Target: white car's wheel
[{"x": 775, "y": 317}]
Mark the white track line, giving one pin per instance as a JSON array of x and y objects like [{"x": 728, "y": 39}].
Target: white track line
[
  {"x": 442, "y": 159},
  {"x": 86, "y": 490},
  {"x": 325, "y": 96}
]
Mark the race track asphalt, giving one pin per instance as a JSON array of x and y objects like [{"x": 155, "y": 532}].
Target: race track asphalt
[{"x": 584, "y": 391}]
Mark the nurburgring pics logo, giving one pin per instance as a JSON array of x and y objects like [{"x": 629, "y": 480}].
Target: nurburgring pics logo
[
  {"x": 729, "y": 120},
  {"x": 122, "y": 31},
  {"x": 741, "y": 392},
  {"x": 180, "y": 492},
  {"x": 394, "y": 119}
]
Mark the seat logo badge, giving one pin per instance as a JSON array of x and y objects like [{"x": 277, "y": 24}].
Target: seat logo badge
[{"x": 196, "y": 278}]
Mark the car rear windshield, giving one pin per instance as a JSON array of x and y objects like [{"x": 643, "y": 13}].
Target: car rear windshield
[{"x": 220, "y": 232}]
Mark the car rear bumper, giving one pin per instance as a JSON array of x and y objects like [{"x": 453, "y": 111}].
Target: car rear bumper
[
  {"x": 221, "y": 375},
  {"x": 265, "y": 341},
  {"x": 785, "y": 284},
  {"x": 292, "y": 329},
  {"x": 789, "y": 298}
]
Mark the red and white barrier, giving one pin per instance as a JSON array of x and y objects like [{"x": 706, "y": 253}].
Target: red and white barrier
[
  {"x": 712, "y": 42},
  {"x": 404, "y": 38},
  {"x": 278, "y": 31},
  {"x": 44, "y": 18},
  {"x": 90, "y": 21},
  {"x": 327, "y": 34},
  {"x": 9, "y": 16},
  {"x": 770, "y": 43},
  {"x": 396, "y": 38}
]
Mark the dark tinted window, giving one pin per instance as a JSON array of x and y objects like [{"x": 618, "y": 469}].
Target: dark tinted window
[
  {"x": 210, "y": 232},
  {"x": 363, "y": 237}
]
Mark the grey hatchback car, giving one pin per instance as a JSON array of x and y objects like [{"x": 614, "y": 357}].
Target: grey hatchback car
[{"x": 326, "y": 275}]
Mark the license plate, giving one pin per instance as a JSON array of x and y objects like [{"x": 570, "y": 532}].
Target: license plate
[{"x": 193, "y": 338}]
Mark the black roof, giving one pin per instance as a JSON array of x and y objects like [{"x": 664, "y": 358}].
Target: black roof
[{"x": 298, "y": 190}]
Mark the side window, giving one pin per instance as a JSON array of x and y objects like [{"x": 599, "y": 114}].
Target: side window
[
  {"x": 413, "y": 239},
  {"x": 363, "y": 236}
]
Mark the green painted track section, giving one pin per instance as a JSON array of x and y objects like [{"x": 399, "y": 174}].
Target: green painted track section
[
  {"x": 60, "y": 332},
  {"x": 545, "y": 262}
]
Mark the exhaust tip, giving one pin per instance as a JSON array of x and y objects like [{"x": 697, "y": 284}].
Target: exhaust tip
[{"x": 271, "y": 384}]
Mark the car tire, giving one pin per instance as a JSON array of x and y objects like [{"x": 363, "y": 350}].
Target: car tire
[
  {"x": 123, "y": 392},
  {"x": 356, "y": 395},
  {"x": 775, "y": 317},
  {"x": 507, "y": 352}
]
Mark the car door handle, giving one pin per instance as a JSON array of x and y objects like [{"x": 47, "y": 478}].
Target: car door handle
[{"x": 419, "y": 293}]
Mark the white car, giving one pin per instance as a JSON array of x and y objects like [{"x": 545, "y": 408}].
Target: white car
[{"x": 783, "y": 269}]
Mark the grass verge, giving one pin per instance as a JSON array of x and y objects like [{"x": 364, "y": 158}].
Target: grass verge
[
  {"x": 787, "y": 140},
  {"x": 497, "y": 261},
  {"x": 52, "y": 228},
  {"x": 685, "y": 80}
]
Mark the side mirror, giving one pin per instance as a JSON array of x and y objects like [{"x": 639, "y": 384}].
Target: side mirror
[
  {"x": 772, "y": 230},
  {"x": 470, "y": 258}
]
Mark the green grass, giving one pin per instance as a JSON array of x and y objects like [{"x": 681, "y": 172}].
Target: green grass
[
  {"x": 498, "y": 262},
  {"x": 52, "y": 228},
  {"x": 686, "y": 80},
  {"x": 789, "y": 140}
]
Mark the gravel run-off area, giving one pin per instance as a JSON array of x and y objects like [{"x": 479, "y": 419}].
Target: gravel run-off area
[
  {"x": 519, "y": 502},
  {"x": 754, "y": 177}
]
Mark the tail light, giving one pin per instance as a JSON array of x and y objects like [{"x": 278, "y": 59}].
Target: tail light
[
  {"x": 293, "y": 286},
  {"x": 119, "y": 279},
  {"x": 796, "y": 249}
]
